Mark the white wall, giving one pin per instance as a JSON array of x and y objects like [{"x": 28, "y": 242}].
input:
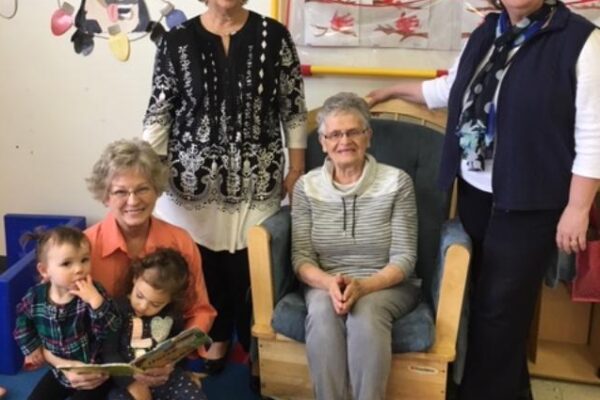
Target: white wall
[{"x": 59, "y": 109}]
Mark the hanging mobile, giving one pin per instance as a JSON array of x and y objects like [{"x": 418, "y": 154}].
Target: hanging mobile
[
  {"x": 116, "y": 21},
  {"x": 62, "y": 19},
  {"x": 173, "y": 15},
  {"x": 118, "y": 43},
  {"x": 13, "y": 12}
]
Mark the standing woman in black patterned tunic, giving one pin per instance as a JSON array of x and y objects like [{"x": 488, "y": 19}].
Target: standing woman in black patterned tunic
[{"x": 225, "y": 86}]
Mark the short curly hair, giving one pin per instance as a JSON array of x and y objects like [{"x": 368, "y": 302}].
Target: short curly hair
[
  {"x": 344, "y": 102},
  {"x": 123, "y": 155},
  {"x": 167, "y": 270}
]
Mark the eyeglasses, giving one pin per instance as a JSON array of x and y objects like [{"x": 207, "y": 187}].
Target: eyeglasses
[
  {"x": 123, "y": 194},
  {"x": 336, "y": 136}
]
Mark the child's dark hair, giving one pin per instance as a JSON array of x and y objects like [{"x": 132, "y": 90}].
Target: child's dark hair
[
  {"x": 55, "y": 236},
  {"x": 171, "y": 274}
]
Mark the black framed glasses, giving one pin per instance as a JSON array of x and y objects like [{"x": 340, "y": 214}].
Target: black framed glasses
[{"x": 336, "y": 136}]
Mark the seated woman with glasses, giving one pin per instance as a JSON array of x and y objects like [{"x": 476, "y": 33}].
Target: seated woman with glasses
[
  {"x": 354, "y": 244},
  {"x": 127, "y": 179}
]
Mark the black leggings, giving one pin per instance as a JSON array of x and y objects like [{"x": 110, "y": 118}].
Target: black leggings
[
  {"x": 50, "y": 388},
  {"x": 511, "y": 253},
  {"x": 227, "y": 279}
]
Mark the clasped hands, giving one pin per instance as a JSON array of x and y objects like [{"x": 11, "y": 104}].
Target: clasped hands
[{"x": 344, "y": 292}]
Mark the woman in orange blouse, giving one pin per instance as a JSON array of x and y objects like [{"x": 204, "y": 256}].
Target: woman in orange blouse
[{"x": 128, "y": 178}]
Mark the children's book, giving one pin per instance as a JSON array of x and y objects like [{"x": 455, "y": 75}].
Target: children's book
[{"x": 167, "y": 352}]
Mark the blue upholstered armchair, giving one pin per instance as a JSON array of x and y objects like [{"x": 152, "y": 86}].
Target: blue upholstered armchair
[{"x": 424, "y": 342}]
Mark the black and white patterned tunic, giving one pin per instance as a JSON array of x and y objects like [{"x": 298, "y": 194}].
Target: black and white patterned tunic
[{"x": 219, "y": 118}]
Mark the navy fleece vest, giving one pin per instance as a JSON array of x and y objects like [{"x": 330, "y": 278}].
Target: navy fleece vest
[{"x": 535, "y": 144}]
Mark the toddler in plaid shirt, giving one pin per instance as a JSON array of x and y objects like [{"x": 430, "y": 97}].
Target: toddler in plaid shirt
[{"x": 65, "y": 318}]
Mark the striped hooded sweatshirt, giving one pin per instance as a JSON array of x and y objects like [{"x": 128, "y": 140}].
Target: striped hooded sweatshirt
[{"x": 355, "y": 230}]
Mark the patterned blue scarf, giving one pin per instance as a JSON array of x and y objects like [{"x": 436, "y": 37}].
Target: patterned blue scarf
[{"x": 477, "y": 124}]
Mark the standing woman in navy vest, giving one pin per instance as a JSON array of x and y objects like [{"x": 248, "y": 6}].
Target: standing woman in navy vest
[{"x": 523, "y": 138}]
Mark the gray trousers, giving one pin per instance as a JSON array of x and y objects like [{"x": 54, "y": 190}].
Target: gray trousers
[{"x": 350, "y": 356}]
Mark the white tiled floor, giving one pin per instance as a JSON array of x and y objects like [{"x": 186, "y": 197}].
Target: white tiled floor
[{"x": 556, "y": 390}]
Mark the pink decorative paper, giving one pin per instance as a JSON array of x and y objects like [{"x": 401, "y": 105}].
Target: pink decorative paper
[
  {"x": 395, "y": 25},
  {"x": 472, "y": 16},
  {"x": 331, "y": 23},
  {"x": 588, "y": 8},
  {"x": 421, "y": 24}
]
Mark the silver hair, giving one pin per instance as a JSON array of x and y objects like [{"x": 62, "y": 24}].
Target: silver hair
[
  {"x": 123, "y": 155},
  {"x": 341, "y": 103}
]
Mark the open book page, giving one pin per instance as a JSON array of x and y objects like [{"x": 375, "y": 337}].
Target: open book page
[{"x": 168, "y": 352}]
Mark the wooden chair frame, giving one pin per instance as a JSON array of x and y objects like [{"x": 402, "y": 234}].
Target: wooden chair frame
[{"x": 417, "y": 376}]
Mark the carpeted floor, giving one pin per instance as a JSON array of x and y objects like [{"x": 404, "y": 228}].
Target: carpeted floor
[
  {"x": 19, "y": 386},
  {"x": 232, "y": 384}
]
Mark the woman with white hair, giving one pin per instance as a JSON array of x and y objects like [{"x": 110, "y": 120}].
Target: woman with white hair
[{"x": 354, "y": 245}]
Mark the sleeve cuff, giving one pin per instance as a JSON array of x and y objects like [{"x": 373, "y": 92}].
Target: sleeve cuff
[
  {"x": 297, "y": 139},
  {"x": 157, "y": 136},
  {"x": 101, "y": 311},
  {"x": 296, "y": 264},
  {"x": 589, "y": 168},
  {"x": 296, "y": 132},
  {"x": 404, "y": 265},
  {"x": 433, "y": 92},
  {"x": 30, "y": 347}
]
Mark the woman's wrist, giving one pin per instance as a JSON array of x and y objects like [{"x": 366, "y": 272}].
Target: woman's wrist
[{"x": 296, "y": 170}]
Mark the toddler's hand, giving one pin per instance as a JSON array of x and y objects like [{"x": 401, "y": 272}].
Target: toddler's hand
[
  {"x": 82, "y": 381},
  {"x": 155, "y": 376},
  {"x": 34, "y": 360},
  {"x": 139, "y": 391},
  {"x": 87, "y": 292}
]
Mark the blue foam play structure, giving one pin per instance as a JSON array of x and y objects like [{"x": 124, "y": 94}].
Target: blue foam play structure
[{"x": 20, "y": 275}]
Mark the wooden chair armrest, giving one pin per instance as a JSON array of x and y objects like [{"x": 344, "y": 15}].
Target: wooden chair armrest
[
  {"x": 417, "y": 113},
  {"x": 452, "y": 293},
  {"x": 261, "y": 281}
]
